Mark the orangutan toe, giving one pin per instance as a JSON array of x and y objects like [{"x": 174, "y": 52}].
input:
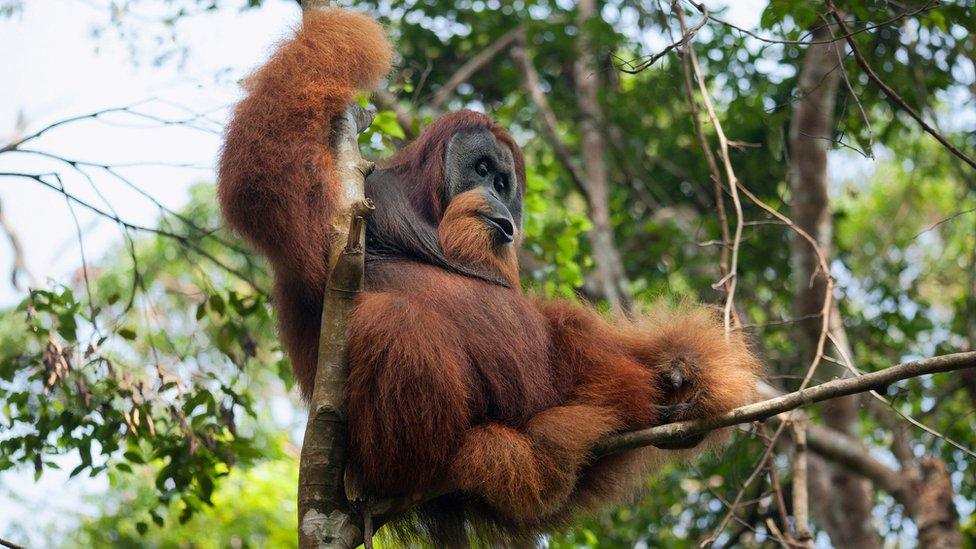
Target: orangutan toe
[
  {"x": 683, "y": 443},
  {"x": 669, "y": 413}
]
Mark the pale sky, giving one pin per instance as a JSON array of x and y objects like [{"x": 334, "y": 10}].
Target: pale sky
[{"x": 53, "y": 69}]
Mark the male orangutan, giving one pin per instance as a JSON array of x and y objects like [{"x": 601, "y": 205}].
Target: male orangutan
[{"x": 459, "y": 383}]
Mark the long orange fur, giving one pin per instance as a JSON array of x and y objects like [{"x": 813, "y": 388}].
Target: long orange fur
[{"x": 456, "y": 384}]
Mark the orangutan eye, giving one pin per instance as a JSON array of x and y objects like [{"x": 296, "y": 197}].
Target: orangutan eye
[
  {"x": 501, "y": 184},
  {"x": 482, "y": 168}
]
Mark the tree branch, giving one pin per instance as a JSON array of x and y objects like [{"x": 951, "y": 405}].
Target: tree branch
[
  {"x": 893, "y": 97},
  {"x": 674, "y": 432},
  {"x": 801, "y": 499},
  {"x": 327, "y": 519},
  {"x": 687, "y": 35},
  {"x": 472, "y": 66},
  {"x": 187, "y": 241},
  {"x": 730, "y": 277},
  {"x": 10, "y": 544},
  {"x": 19, "y": 268},
  {"x": 826, "y": 442},
  {"x": 550, "y": 124}
]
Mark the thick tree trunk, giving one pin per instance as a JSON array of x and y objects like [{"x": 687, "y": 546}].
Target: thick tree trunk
[
  {"x": 847, "y": 515},
  {"x": 935, "y": 514},
  {"x": 326, "y": 517},
  {"x": 608, "y": 279}
]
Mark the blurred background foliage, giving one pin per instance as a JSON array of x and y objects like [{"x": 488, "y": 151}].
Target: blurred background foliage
[{"x": 158, "y": 365}]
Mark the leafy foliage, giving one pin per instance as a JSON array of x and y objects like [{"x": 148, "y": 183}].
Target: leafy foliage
[
  {"x": 146, "y": 366},
  {"x": 253, "y": 507},
  {"x": 160, "y": 369}
]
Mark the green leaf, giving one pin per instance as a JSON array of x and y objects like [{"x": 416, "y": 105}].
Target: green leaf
[
  {"x": 388, "y": 125},
  {"x": 158, "y": 520},
  {"x": 186, "y": 514}
]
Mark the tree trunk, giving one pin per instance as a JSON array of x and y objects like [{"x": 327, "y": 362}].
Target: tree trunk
[
  {"x": 608, "y": 279},
  {"x": 847, "y": 515},
  {"x": 935, "y": 514}
]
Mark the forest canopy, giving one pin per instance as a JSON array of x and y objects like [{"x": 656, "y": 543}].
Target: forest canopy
[{"x": 807, "y": 169}]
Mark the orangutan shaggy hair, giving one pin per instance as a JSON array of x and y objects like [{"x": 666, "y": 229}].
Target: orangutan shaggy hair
[{"x": 459, "y": 383}]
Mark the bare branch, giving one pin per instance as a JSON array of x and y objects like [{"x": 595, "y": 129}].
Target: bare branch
[
  {"x": 730, "y": 279},
  {"x": 473, "y": 65},
  {"x": 801, "y": 499},
  {"x": 769, "y": 408},
  {"x": 19, "y": 268},
  {"x": 893, "y": 97},
  {"x": 641, "y": 63},
  {"x": 804, "y": 42},
  {"x": 827, "y": 442},
  {"x": 851, "y": 92},
  {"x": 550, "y": 124},
  {"x": 760, "y": 465},
  {"x": 10, "y": 544},
  {"x": 687, "y": 35},
  {"x": 777, "y": 487},
  {"x": 114, "y": 171},
  {"x": 713, "y": 171},
  {"x": 944, "y": 221},
  {"x": 130, "y": 110},
  {"x": 187, "y": 241}
]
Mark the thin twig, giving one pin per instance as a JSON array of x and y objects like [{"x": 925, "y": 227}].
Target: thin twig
[
  {"x": 186, "y": 241},
  {"x": 550, "y": 124},
  {"x": 893, "y": 97},
  {"x": 687, "y": 35},
  {"x": 93, "y": 309},
  {"x": 781, "y": 508},
  {"x": 848, "y": 363},
  {"x": 473, "y": 65},
  {"x": 731, "y": 178},
  {"x": 944, "y": 221},
  {"x": 850, "y": 90},
  {"x": 821, "y": 267},
  {"x": 928, "y": 6},
  {"x": 113, "y": 170},
  {"x": 760, "y": 465},
  {"x": 97, "y": 115},
  {"x": 713, "y": 170}
]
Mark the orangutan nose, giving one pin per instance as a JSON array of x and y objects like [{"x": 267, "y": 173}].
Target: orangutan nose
[
  {"x": 499, "y": 219},
  {"x": 503, "y": 227}
]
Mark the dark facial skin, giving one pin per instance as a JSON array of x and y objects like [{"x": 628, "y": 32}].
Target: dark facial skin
[{"x": 476, "y": 160}]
